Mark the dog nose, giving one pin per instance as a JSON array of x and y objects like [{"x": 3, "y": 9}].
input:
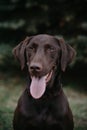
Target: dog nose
[{"x": 36, "y": 67}]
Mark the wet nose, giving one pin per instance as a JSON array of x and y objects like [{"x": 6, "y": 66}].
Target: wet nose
[{"x": 36, "y": 67}]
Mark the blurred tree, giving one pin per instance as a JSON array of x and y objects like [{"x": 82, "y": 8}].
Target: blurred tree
[
  {"x": 58, "y": 17},
  {"x": 19, "y": 18}
]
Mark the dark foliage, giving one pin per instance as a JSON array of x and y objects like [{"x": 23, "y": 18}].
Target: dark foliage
[
  {"x": 19, "y": 18},
  {"x": 59, "y": 17}
]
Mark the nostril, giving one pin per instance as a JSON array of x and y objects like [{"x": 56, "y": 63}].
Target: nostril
[
  {"x": 37, "y": 68},
  {"x": 34, "y": 68}
]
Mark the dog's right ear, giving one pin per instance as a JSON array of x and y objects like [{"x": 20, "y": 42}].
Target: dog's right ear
[{"x": 19, "y": 51}]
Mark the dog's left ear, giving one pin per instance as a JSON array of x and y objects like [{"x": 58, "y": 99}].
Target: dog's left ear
[
  {"x": 67, "y": 53},
  {"x": 19, "y": 51}
]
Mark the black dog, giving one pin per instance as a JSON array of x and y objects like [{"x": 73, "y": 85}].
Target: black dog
[{"x": 43, "y": 105}]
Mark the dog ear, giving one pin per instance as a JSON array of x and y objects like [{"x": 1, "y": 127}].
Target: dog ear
[
  {"x": 67, "y": 53},
  {"x": 19, "y": 51}
]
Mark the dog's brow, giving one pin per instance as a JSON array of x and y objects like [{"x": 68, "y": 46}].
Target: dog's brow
[
  {"x": 34, "y": 44},
  {"x": 48, "y": 45}
]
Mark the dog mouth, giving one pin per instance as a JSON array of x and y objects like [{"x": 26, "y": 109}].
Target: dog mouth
[
  {"x": 48, "y": 76},
  {"x": 38, "y": 85}
]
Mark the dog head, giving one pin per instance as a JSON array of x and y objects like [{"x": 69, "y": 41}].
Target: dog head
[{"x": 43, "y": 54}]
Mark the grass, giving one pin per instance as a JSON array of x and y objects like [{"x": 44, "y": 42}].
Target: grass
[
  {"x": 78, "y": 103},
  {"x": 8, "y": 99},
  {"x": 11, "y": 89}
]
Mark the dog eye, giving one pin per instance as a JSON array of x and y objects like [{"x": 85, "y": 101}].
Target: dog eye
[
  {"x": 51, "y": 49},
  {"x": 32, "y": 48}
]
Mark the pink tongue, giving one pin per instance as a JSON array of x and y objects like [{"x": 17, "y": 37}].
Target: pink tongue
[{"x": 37, "y": 87}]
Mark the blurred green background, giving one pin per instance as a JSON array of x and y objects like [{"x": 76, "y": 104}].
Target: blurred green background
[{"x": 19, "y": 19}]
